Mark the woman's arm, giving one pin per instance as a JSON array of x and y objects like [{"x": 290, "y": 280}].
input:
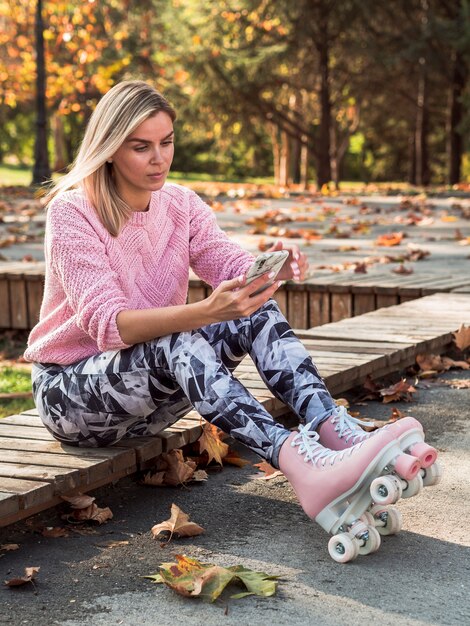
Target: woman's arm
[{"x": 229, "y": 301}]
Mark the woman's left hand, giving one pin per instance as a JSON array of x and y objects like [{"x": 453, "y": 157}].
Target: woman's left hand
[{"x": 295, "y": 266}]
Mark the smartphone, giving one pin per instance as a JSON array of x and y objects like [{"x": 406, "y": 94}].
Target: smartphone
[{"x": 266, "y": 263}]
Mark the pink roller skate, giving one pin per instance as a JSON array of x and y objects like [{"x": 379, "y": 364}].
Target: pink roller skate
[
  {"x": 340, "y": 431},
  {"x": 336, "y": 488}
]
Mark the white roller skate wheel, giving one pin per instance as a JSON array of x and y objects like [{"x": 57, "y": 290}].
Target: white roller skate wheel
[
  {"x": 413, "y": 487},
  {"x": 343, "y": 547},
  {"x": 432, "y": 475},
  {"x": 388, "y": 519},
  {"x": 368, "y": 518},
  {"x": 373, "y": 542},
  {"x": 386, "y": 489}
]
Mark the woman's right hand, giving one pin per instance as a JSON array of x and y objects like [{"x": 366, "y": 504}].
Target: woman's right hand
[{"x": 233, "y": 299}]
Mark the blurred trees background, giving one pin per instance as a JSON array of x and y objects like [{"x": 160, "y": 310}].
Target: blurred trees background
[{"x": 319, "y": 90}]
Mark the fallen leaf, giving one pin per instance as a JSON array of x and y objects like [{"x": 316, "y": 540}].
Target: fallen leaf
[
  {"x": 268, "y": 471},
  {"x": 462, "y": 337},
  {"x": 79, "y": 501},
  {"x": 178, "y": 524},
  {"x": 233, "y": 458},
  {"x": 200, "y": 476},
  {"x": 211, "y": 443},
  {"x": 431, "y": 364},
  {"x": 459, "y": 383},
  {"x": 389, "y": 239},
  {"x": 9, "y": 547},
  {"x": 402, "y": 269},
  {"x": 400, "y": 391},
  {"x": 154, "y": 480},
  {"x": 29, "y": 575},
  {"x": 91, "y": 513},
  {"x": 54, "y": 532},
  {"x": 189, "y": 577},
  {"x": 397, "y": 414}
]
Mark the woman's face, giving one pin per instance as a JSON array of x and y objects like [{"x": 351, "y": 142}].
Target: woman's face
[{"x": 142, "y": 163}]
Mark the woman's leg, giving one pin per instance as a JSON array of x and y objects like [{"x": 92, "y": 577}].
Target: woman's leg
[
  {"x": 281, "y": 359},
  {"x": 99, "y": 400}
]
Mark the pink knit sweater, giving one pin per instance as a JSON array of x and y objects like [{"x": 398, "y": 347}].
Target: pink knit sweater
[{"x": 92, "y": 276}]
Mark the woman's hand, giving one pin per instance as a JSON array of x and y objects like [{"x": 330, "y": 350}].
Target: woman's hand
[
  {"x": 295, "y": 266},
  {"x": 234, "y": 299}
]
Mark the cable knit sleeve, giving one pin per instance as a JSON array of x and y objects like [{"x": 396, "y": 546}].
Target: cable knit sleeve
[
  {"x": 213, "y": 256},
  {"x": 78, "y": 257}
]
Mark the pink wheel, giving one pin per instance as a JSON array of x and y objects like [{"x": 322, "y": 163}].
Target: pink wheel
[
  {"x": 407, "y": 466},
  {"x": 343, "y": 548},
  {"x": 368, "y": 518},
  {"x": 432, "y": 475},
  {"x": 385, "y": 489},
  {"x": 425, "y": 453}
]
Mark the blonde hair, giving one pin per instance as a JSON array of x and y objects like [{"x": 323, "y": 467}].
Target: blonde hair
[{"x": 119, "y": 112}]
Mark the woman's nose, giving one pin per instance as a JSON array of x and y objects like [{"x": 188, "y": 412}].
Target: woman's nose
[{"x": 156, "y": 156}]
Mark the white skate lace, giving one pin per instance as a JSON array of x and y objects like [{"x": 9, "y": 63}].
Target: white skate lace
[
  {"x": 348, "y": 426},
  {"x": 307, "y": 440}
]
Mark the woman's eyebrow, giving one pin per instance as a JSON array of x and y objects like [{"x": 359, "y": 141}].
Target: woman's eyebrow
[{"x": 137, "y": 139}]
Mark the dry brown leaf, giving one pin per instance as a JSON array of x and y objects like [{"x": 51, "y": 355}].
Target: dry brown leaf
[
  {"x": 9, "y": 547},
  {"x": 29, "y": 575},
  {"x": 57, "y": 531},
  {"x": 178, "y": 524},
  {"x": 462, "y": 337},
  {"x": 459, "y": 383},
  {"x": 396, "y": 414},
  {"x": 154, "y": 480},
  {"x": 179, "y": 470},
  {"x": 79, "y": 501},
  {"x": 210, "y": 442},
  {"x": 389, "y": 239},
  {"x": 92, "y": 513},
  {"x": 268, "y": 471},
  {"x": 233, "y": 458},
  {"x": 400, "y": 391},
  {"x": 402, "y": 269},
  {"x": 200, "y": 476}
]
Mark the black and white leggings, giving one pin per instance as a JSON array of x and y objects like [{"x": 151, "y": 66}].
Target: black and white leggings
[{"x": 141, "y": 390}]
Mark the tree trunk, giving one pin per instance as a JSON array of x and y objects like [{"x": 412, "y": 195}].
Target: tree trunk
[
  {"x": 304, "y": 163},
  {"x": 455, "y": 115},
  {"x": 324, "y": 166},
  {"x": 422, "y": 128},
  {"x": 60, "y": 146},
  {"x": 412, "y": 159},
  {"x": 273, "y": 131},
  {"x": 284, "y": 164},
  {"x": 41, "y": 170}
]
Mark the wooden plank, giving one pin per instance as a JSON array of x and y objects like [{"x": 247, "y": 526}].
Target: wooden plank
[
  {"x": 18, "y": 302},
  {"x": 196, "y": 294},
  {"x": 383, "y": 300},
  {"x": 297, "y": 306},
  {"x": 29, "y": 492},
  {"x": 145, "y": 448},
  {"x": 9, "y": 504},
  {"x": 5, "y": 315},
  {"x": 281, "y": 298},
  {"x": 34, "y": 296},
  {"x": 363, "y": 303},
  {"x": 319, "y": 308},
  {"x": 341, "y": 306},
  {"x": 63, "y": 479}
]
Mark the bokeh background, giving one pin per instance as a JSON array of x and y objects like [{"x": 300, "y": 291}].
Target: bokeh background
[{"x": 305, "y": 92}]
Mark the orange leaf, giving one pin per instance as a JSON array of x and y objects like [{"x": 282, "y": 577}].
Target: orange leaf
[
  {"x": 210, "y": 442},
  {"x": 269, "y": 471},
  {"x": 233, "y": 458},
  {"x": 389, "y": 239}
]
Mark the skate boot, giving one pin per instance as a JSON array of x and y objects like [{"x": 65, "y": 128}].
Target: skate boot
[
  {"x": 341, "y": 430},
  {"x": 336, "y": 488}
]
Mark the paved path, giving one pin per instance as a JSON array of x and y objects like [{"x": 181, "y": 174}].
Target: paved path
[
  {"x": 443, "y": 221},
  {"x": 419, "y": 577}
]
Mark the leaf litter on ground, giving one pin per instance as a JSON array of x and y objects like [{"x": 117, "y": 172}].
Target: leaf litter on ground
[
  {"x": 29, "y": 576},
  {"x": 191, "y": 578},
  {"x": 85, "y": 509}
]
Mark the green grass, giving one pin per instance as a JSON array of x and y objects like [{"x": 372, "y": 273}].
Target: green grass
[
  {"x": 15, "y": 175},
  {"x": 15, "y": 380}
]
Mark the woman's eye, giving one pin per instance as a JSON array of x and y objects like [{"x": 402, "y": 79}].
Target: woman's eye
[
  {"x": 141, "y": 148},
  {"x": 167, "y": 143}
]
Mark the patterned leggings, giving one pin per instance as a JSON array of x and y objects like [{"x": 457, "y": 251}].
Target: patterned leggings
[{"x": 142, "y": 389}]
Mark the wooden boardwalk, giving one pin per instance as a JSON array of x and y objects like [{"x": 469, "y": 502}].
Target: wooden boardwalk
[
  {"x": 320, "y": 300},
  {"x": 35, "y": 470}
]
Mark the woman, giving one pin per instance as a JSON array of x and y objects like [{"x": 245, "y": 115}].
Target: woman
[{"x": 117, "y": 351}]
